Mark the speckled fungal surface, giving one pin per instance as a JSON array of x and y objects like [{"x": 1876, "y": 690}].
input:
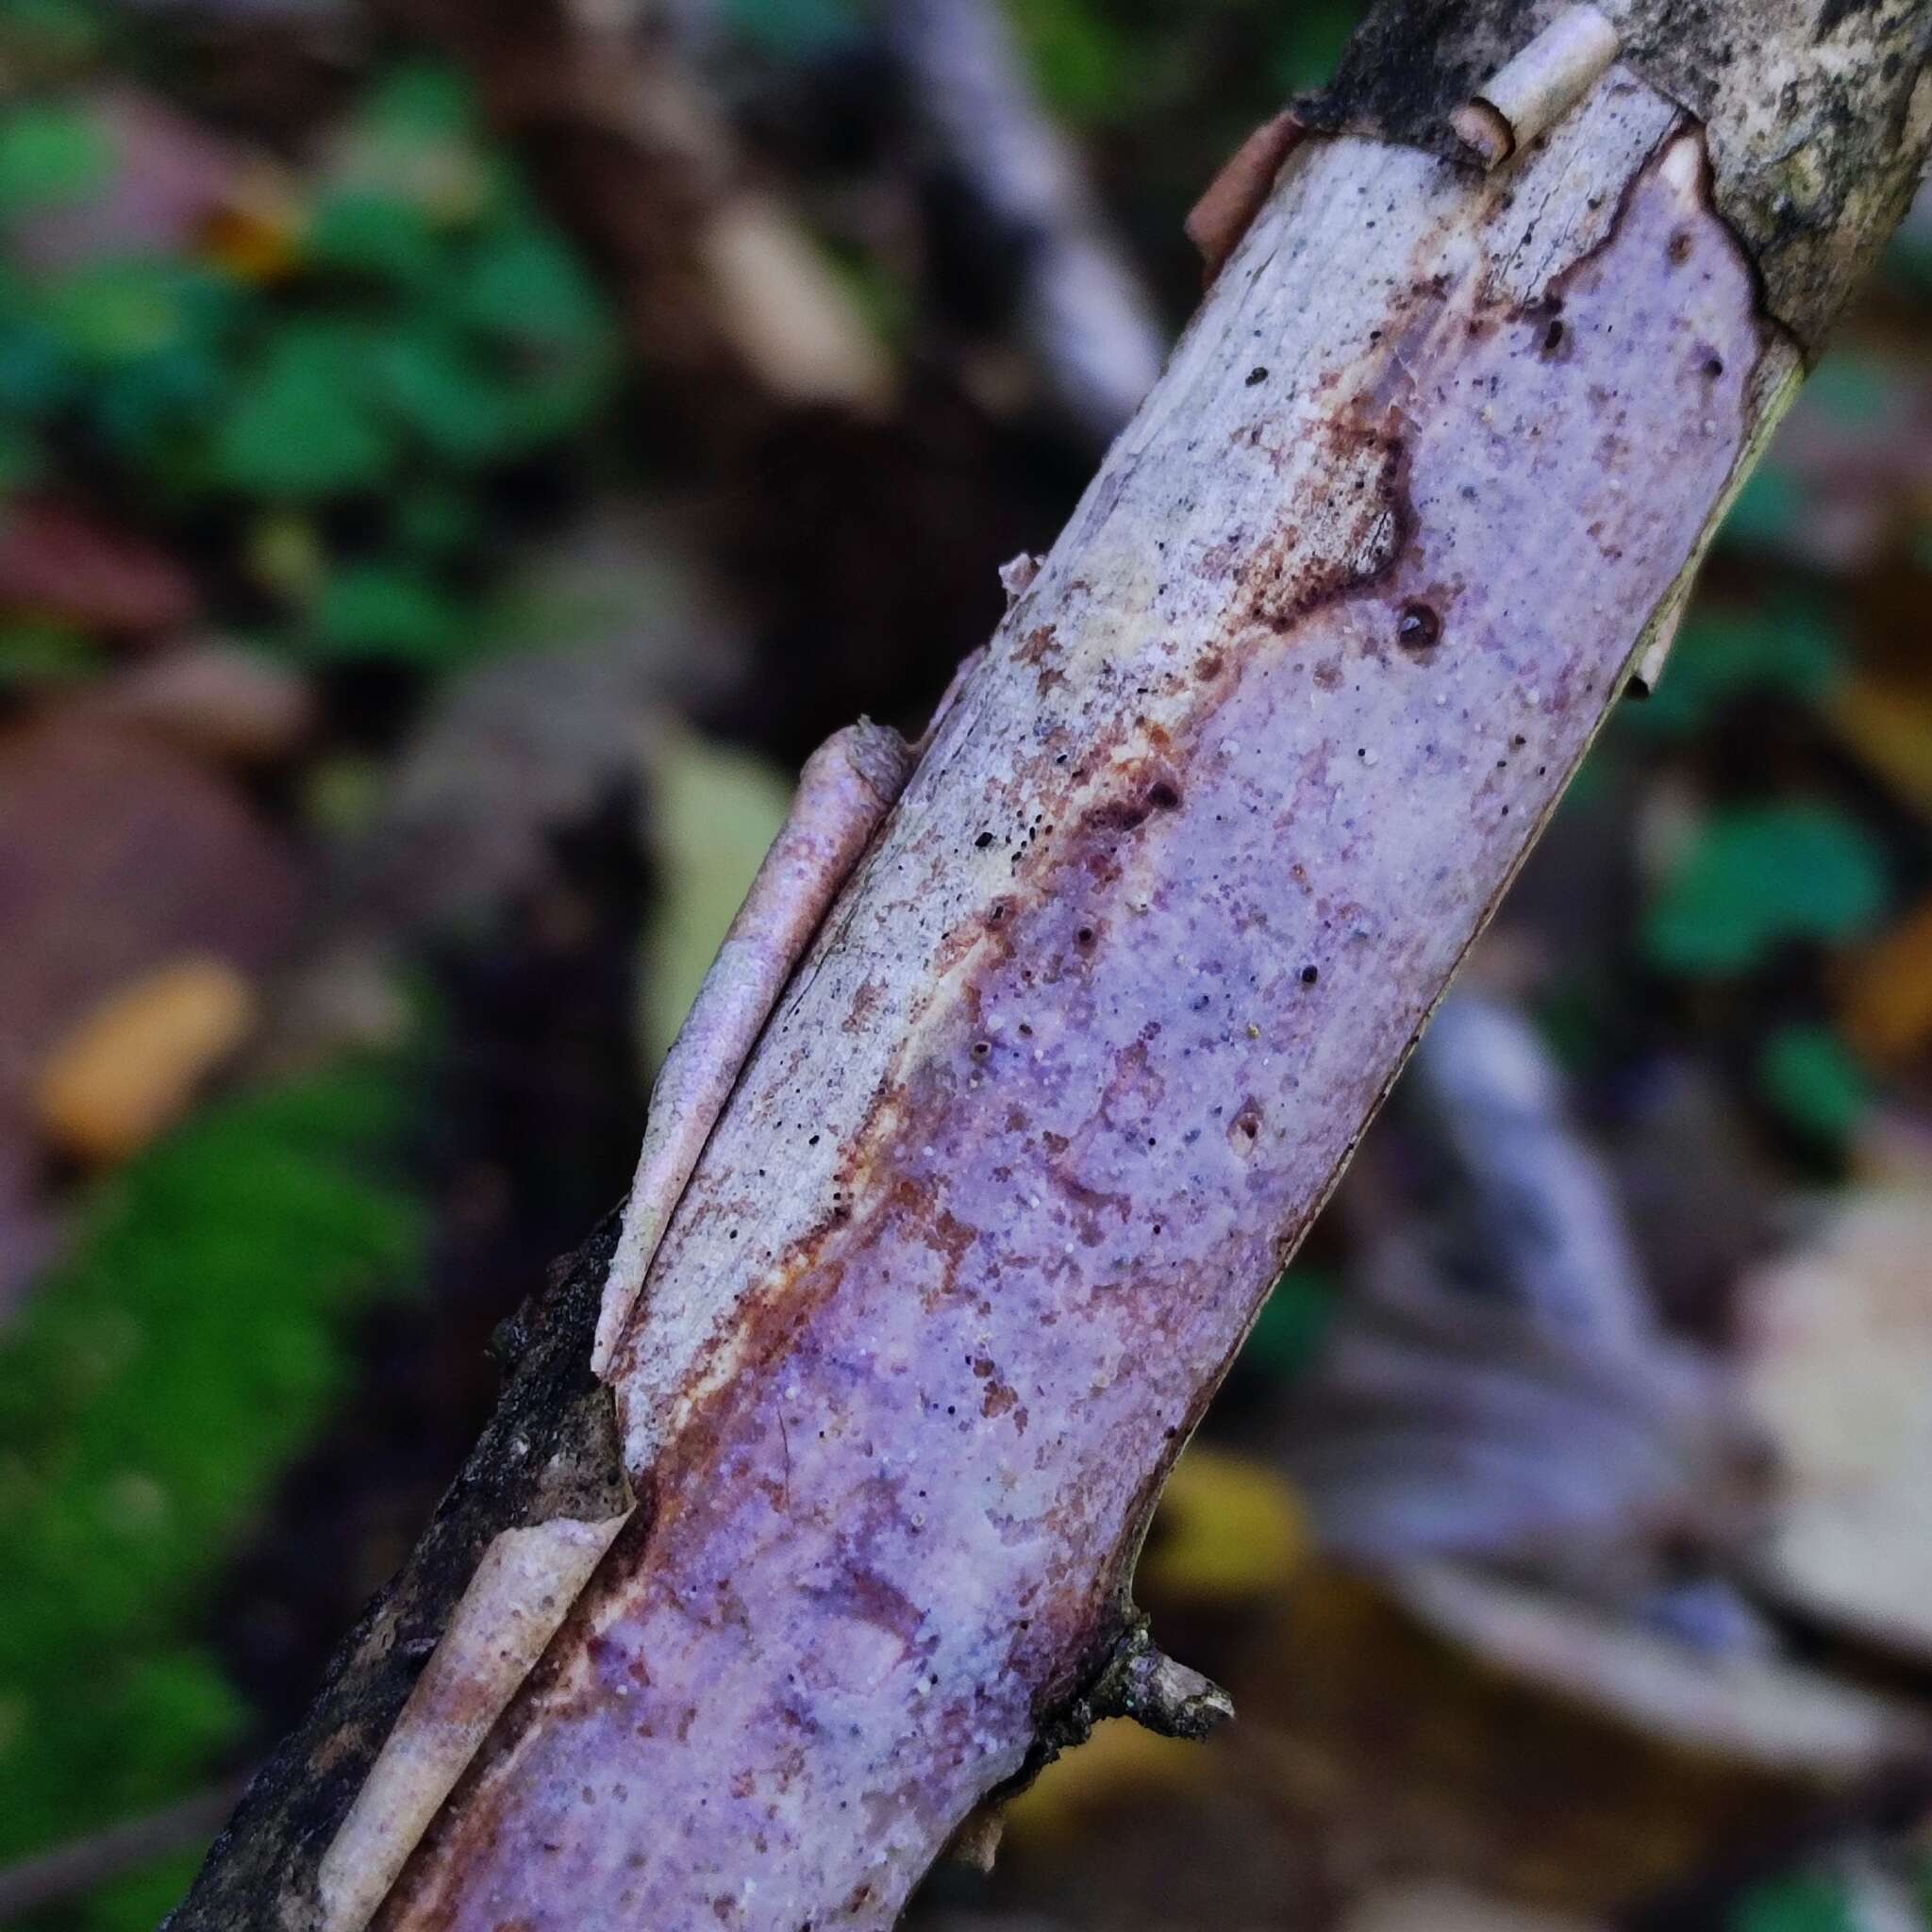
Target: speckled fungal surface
[
  {"x": 1088, "y": 1037},
  {"x": 1058, "y": 1089}
]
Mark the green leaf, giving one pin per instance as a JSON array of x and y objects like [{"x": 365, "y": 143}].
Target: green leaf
[
  {"x": 1759, "y": 876},
  {"x": 362, "y": 232},
  {"x": 36, "y": 375},
  {"x": 149, "y": 411},
  {"x": 116, "y": 312},
  {"x": 423, "y": 97},
  {"x": 446, "y": 394},
  {"x": 387, "y": 611},
  {"x": 1856, "y": 391},
  {"x": 1808, "y": 1904},
  {"x": 50, "y": 155},
  {"x": 1793, "y": 652},
  {"x": 522, "y": 284},
  {"x": 1083, "y": 64},
  {"x": 303, "y": 423},
  {"x": 1810, "y": 1077},
  {"x": 436, "y": 521},
  {"x": 1767, "y": 510},
  {"x": 1293, "y": 1323},
  {"x": 44, "y": 35},
  {"x": 416, "y": 141},
  {"x": 34, "y": 653},
  {"x": 1311, "y": 48}
]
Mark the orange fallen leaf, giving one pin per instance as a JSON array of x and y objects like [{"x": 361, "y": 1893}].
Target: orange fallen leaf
[
  {"x": 1888, "y": 997},
  {"x": 133, "y": 1065}
]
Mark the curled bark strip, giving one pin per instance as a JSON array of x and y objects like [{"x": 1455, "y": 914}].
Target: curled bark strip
[
  {"x": 847, "y": 787},
  {"x": 526, "y": 1582},
  {"x": 1542, "y": 83},
  {"x": 1234, "y": 197},
  {"x": 548, "y": 1453}
]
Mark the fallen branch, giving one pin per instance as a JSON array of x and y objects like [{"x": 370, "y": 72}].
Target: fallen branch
[
  {"x": 1082, "y": 312},
  {"x": 1084, "y": 1044}
]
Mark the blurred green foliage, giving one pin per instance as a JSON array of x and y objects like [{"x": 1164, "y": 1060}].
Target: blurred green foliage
[
  {"x": 1812, "y": 1081},
  {"x": 1292, "y": 1322},
  {"x": 352, "y": 367},
  {"x": 150, "y": 1396},
  {"x": 1758, "y": 876},
  {"x": 1809, "y": 1903},
  {"x": 1788, "y": 650}
]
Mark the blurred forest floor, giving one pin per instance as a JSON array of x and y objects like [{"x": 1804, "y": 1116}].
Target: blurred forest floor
[{"x": 454, "y": 464}]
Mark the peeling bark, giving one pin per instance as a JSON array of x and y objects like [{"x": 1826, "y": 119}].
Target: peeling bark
[
  {"x": 847, "y": 787},
  {"x": 1086, "y": 1041}
]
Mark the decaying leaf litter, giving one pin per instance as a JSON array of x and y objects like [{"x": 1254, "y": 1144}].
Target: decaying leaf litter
[{"x": 1738, "y": 1048}]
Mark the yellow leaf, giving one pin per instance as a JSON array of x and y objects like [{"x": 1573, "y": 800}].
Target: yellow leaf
[
  {"x": 1228, "y": 1527},
  {"x": 131, "y": 1066},
  {"x": 1120, "y": 1760},
  {"x": 715, "y": 813}
]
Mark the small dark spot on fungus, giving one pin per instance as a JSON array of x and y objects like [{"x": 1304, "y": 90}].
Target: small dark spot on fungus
[
  {"x": 1309, "y": 975},
  {"x": 1084, "y": 936},
  {"x": 1552, "y": 338},
  {"x": 984, "y": 840},
  {"x": 1254, "y": 375},
  {"x": 1713, "y": 366},
  {"x": 1163, "y": 795},
  {"x": 981, "y": 1048},
  {"x": 1679, "y": 246},
  {"x": 1417, "y": 626}
]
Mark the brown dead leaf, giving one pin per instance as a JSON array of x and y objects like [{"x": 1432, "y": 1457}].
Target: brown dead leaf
[
  {"x": 131, "y": 1066},
  {"x": 29, "y": 1232},
  {"x": 1887, "y": 719},
  {"x": 212, "y": 697},
  {"x": 1888, "y": 996},
  {"x": 1446, "y": 1909},
  {"x": 1445, "y": 1726},
  {"x": 118, "y": 855},
  {"x": 60, "y": 562}
]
